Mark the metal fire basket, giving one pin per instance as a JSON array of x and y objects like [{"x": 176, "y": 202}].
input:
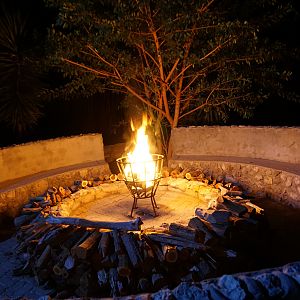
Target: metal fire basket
[{"x": 141, "y": 189}]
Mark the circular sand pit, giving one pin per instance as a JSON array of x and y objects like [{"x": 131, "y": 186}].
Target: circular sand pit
[{"x": 177, "y": 200}]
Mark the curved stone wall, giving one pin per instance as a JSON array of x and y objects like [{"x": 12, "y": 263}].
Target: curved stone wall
[
  {"x": 263, "y": 160},
  {"x": 31, "y": 158},
  {"x": 272, "y": 143},
  {"x": 28, "y": 170}
]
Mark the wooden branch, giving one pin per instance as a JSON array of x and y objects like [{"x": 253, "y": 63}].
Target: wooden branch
[
  {"x": 172, "y": 70},
  {"x": 130, "y": 225},
  {"x": 102, "y": 73}
]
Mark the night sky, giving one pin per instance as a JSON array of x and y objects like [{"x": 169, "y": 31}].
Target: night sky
[{"x": 104, "y": 112}]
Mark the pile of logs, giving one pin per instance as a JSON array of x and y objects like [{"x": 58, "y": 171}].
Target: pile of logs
[
  {"x": 85, "y": 258},
  {"x": 88, "y": 261},
  {"x": 54, "y": 196}
]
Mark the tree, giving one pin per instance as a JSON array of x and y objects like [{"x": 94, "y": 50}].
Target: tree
[
  {"x": 22, "y": 79},
  {"x": 178, "y": 58}
]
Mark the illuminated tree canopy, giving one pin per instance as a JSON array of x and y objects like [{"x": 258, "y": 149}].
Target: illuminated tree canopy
[{"x": 179, "y": 58}]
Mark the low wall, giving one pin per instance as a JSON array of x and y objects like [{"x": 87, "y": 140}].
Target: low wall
[
  {"x": 272, "y": 143},
  {"x": 31, "y": 158},
  {"x": 28, "y": 170},
  {"x": 263, "y": 160}
]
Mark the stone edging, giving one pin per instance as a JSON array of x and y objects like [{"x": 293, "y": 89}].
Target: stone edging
[
  {"x": 257, "y": 180},
  {"x": 275, "y": 283},
  {"x": 12, "y": 201}
]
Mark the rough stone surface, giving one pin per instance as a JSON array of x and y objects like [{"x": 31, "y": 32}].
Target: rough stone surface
[
  {"x": 12, "y": 200},
  {"x": 254, "y": 179}
]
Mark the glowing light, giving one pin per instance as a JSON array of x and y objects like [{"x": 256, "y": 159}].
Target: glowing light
[{"x": 141, "y": 166}]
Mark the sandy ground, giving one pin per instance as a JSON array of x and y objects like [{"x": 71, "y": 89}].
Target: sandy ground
[{"x": 174, "y": 206}]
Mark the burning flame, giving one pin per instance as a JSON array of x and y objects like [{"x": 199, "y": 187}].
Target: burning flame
[{"x": 141, "y": 164}]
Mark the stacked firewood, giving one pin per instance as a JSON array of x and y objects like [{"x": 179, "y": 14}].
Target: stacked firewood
[
  {"x": 88, "y": 261},
  {"x": 54, "y": 196},
  {"x": 92, "y": 261},
  {"x": 84, "y": 258}
]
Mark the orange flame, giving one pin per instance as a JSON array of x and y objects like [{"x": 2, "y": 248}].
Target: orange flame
[{"x": 142, "y": 164}]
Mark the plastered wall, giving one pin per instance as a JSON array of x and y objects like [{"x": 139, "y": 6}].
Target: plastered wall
[
  {"x": 272, "y": 143},
  {"x": 31, "y": 158}
]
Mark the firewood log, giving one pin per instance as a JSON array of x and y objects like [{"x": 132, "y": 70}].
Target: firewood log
[
  {"x": 200, "y": 226},
  {"x": 42, "y": 204},
  {"x": 43, "y": 258},
  {"x": 113, "y": 177},
  {"x": 81, "y": 183},
  {"x": 36, "y": 233},
  {"x": 82, "y": 238},
  {"x": 56, "y": 236},
  {"x": 38, "y": 199},
  {"x": 123, "y": 265},
  {"x": 193, "y": 174},
  {"x": 130, "y": 225},
  {"x": 170, "y": 253},
  {"x": 58, "y": 199},
  {"x": 102, "y": 278},
  {"x": 53, "y": 199},
  {"x": 61, "y": 192},
  {"x": 23, "y": 219},
  {"x": 235, "y": 208},
  {"x": 113, "y": 281},
  {"x": 75, "y": 235},
  {"x": 74, "y": 188},
  {"x": 177, "y": 241},
  {"x": 117, "y": 241},
  {"x": 132, "y": 249},
  {"x": 257, "y": 209},
  {"x": 185, "y": 232},
  {"x": 155, "y": 248},
  {"x": 104, "y": 244},
  {"x": 31, "y": 210},
  {"x": 82, "y": 250}
]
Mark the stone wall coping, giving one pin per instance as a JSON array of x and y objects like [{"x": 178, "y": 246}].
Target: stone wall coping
[
  {"x": 16, "y": 183},
  {"x": 48, "y": 140},
  {"x": 280, "y": 144},
  {"x": 272, "y": 164},
  {"x": 41, "y": 156}
]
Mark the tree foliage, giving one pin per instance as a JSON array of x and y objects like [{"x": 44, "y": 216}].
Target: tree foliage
[
  {"x": 179, "y": 58},
  {"x": 21, "y": 76}
]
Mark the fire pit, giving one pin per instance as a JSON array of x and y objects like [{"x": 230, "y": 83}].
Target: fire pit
[
  {"x": 141, "y": 169},
  {"x": 142, "y": 178}
]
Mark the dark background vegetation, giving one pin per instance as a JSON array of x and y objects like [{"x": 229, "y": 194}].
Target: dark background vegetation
[{"x": 104, "y": 112}]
